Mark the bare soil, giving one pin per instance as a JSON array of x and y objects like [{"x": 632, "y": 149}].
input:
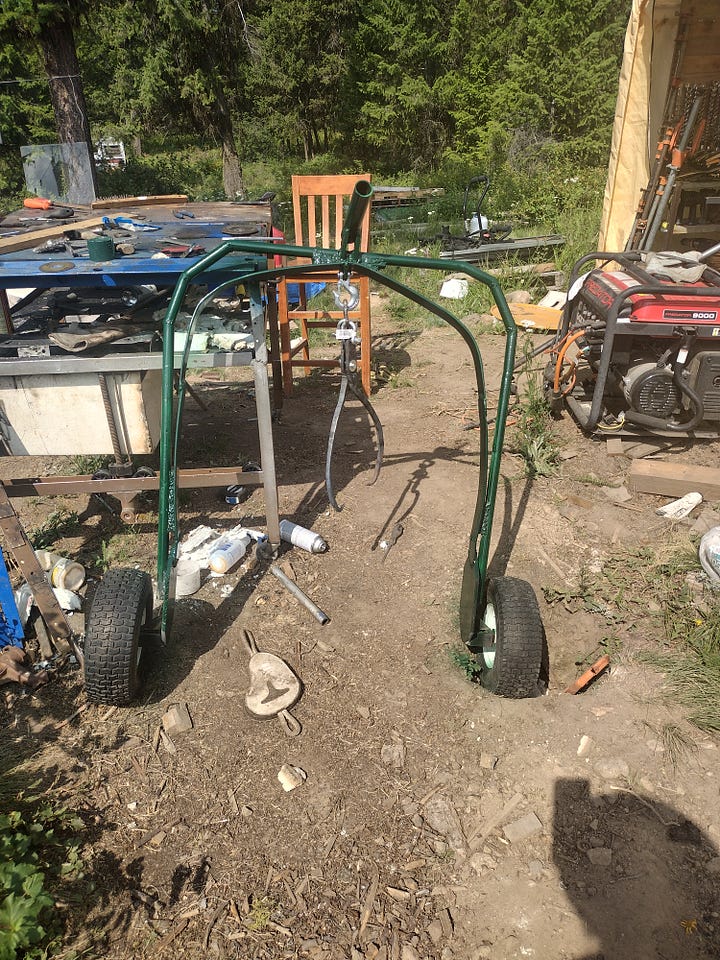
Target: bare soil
[{"x": 395, "y": 846}]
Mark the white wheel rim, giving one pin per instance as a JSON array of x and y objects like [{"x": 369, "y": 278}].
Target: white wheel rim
[{"x": 488, "y": 650}]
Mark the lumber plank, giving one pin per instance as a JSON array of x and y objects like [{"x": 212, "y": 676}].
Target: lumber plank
[
  {"x": 115, "y": 203},
  {"x": 36, "y": 237},
  {"x": 673, "y": 479}
]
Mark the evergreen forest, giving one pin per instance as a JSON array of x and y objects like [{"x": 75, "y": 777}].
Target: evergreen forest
[{"x": 227, "y": 98}]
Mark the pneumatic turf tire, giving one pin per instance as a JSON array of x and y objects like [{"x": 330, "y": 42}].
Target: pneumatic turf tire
[
  {"x": 122, "y": 605},
  {"x": 513, "y": 662}
]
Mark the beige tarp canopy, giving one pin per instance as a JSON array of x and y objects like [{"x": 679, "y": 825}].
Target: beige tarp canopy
[{"x": 672, "y": 48}]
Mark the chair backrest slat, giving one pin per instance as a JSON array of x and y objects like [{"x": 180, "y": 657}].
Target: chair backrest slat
[{"x": 338, "y": 189}]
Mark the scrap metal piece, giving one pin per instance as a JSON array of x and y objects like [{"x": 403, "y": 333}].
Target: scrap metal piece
[
  {"x": 56, "y": 266},
  {"x": 45, "y": 600},
  {"x": 299, "y": 595},
  {"x": 15, "y": 668},
  {"x": 390, "y": 541}
]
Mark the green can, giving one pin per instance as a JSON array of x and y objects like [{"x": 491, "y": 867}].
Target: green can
[{"x": 101, "y": 248}]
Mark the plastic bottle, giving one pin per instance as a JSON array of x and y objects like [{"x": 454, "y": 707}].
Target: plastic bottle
[
  {"x": 302, "y": 537},
  {"x": 62, "y": 571},
  {"x": 709, "y": 553},
  {"x": 227, "y": 551}
]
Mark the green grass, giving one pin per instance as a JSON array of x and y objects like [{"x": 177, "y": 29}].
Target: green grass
[
  {"x": 653, "y": 593},
  {"x": 533, "y": 436},
  {"x": 59, "y": 523},
  {"x": 466, "y": 662},
  {"x": 40, "y": 860}
]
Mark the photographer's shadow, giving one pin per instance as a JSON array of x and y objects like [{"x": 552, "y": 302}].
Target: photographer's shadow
[{"x": 639, "y": 874}]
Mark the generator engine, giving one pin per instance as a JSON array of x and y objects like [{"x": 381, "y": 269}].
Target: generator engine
[{"x": 639, "y": 352}]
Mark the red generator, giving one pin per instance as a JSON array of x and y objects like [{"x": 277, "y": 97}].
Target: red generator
[{"x": 638, "y": 352}]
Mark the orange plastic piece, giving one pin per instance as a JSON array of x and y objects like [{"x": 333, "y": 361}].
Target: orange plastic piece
[
  {"x": 597, "y": 668},
  {"x": 37, "y": 203}
]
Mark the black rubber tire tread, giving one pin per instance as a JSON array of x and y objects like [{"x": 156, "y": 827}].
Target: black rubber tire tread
[
  {"x": 122, "y": 603},
  {"x": 519, "y": 639}
]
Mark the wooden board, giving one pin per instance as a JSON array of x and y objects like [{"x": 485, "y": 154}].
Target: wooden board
[
  {"x": 35, "y": 237},
  {"x": 673, "y": 479},
  {"x": 531, "y": 316},
  {"x": 115, "y": 203}
]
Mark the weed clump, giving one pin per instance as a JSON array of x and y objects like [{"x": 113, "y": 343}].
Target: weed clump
[{"x": 533, "y": 436}]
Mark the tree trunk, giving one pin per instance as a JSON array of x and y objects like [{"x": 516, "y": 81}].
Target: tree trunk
[
  {"x": 233, "y": 183},
  {"x": 57, "y": 45}
]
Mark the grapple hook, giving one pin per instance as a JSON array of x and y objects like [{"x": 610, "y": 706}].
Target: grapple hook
[{"x": 352, "y": 298}]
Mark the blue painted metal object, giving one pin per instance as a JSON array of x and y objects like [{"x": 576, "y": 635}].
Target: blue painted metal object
[{"x": 11, "y": 630}]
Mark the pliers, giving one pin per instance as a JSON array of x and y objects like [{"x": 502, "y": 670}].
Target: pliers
[{"x": 346, "y": 334}]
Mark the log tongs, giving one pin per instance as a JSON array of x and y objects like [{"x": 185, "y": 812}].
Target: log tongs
[{"x": 347, "y": 297}]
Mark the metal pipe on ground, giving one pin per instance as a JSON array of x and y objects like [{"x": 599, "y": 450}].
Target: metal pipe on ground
[{"x": 295, "y": 590}]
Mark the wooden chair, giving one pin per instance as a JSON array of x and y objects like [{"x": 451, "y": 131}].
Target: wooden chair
[{"x": 319, "y": 205}]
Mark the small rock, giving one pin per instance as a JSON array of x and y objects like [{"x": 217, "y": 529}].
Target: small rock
[
  {"x": 600, "y": 856},
  {"x": 713, "y": 866},
  {"x": 483, "y": 951},
  {"x": 518, "y": 296},
  {"x": 617, "y": 494},
  {"x": 177, "y": 720},
  {"x": 480, "y": 862},
  {"x": 446, "y": 954},
  {"x": 435, "y": 931},
  {"x": 522, "y": 829},
  {"x": 291, "y": 777},
  {"x": 409, "y": 953},
  {"x": 585, "y": 746},
  {"x": 488, "y": 761},
  {"x": 706, "y": 521},
  {"x": 441, "y": 817},
  {"x": 363, "y": 712},
  {"x": 325, "y": 647},
  {"x": 246, "y": 812},
  {"x": 535, "y": 869},
  {"x": 612, "y": 769},
  {"x": 393, "y": 754}
]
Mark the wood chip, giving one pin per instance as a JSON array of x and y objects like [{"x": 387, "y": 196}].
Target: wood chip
[
  {"x": 167, "y": 742},
  {"x": 447, "y": 924},
  {"x": 494, "y": 822},
  {"x": 174, "y": 932},
  {"x": 73, "y": 716},
  {"x": 397, "y": 894},
  {"x": 220, "y": 911},
  {"x": 367, "y": 909}
]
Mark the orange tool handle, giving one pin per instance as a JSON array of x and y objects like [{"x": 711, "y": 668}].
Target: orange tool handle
[{"x": 37, "y": 203}]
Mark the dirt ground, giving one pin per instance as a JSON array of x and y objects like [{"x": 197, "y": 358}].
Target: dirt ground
[{"x": 436, "y": 820}]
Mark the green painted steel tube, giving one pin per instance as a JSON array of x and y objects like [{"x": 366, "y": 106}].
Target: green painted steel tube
[
  {"x": 474, "y": 579},
  {"x": 352, "y": 225}
]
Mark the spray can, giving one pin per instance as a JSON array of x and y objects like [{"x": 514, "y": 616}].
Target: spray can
[
  {"x": 61, "y": 571},
  {"x": 226, "y": 553},
  {"x": 302, "y": 537}
]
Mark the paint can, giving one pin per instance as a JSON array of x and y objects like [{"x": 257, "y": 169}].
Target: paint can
[{"x": 101, "y": 249}]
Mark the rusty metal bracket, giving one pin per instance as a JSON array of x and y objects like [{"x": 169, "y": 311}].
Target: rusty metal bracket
[{"x": 45, "y": 600}]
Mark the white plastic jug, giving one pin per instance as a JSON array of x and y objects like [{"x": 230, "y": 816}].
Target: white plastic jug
[
  {"x": 709, "y": 553},
  {"x": 227, "y": 551}
]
